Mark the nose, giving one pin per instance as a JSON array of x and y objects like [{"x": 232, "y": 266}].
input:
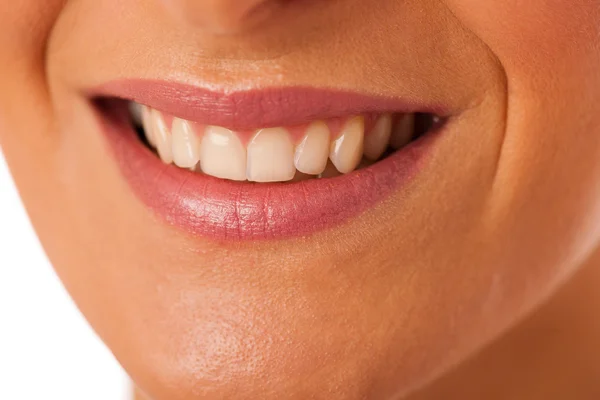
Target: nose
[{"x": 223, "y": 16}]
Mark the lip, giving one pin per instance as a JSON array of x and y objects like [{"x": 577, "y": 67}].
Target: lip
[
  {"x": 234, "y": 211},
  {"x": 254, "y": 109}
]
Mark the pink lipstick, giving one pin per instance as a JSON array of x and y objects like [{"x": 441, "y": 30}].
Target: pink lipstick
[{"x": 223, "y": 209}]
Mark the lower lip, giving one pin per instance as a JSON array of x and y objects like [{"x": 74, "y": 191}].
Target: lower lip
[{"x": 234, "y": 211}]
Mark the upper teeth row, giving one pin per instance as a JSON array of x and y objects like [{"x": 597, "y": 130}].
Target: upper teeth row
[{"x": 271, "y": 154}]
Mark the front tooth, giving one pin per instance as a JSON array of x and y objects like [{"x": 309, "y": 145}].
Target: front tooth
[
  {"x": 186, "y": 144},
  {"x": 147, "y": 125},
  {"x": 312, "y": 152},
  {"x": 222, "y": 155},
  {"x": 403, "y": 131},
  {"x": 271, "y": 156},
  {"x": 162, "y": 137},
  {"x": 378, "y": 139},
  {"x": 346, "y": 151}
]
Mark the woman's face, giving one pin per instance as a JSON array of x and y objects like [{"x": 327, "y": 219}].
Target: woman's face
[{"x": 364, "y": 285}]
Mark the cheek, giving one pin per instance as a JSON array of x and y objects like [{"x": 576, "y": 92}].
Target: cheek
[
  {"x": 534, "y": 37},
  {"x": 547, "y": 187},
  {"x": 24, "y": 31}
]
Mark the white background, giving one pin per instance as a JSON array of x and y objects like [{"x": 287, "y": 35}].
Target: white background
[{"x": 47, "y": 350}]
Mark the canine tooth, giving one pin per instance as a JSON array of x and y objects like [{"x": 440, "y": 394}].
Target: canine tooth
[
  {"x": 378, "y": 139},
  {"x": 222, "y": 155},
  {"x": 312, "y": 152},
  {"x": 403, "y": 131},
  {"x": 346, "y": 151},
  {"x": 186, "y": 144},
  {"x": 162, "y": 137},
  {"x": 135, "y": 110},
  {"x": 147, "y": 125},
  {"x": 271, "y": 156}
]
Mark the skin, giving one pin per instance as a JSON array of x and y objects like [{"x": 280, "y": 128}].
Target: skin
[{"x": 480, "y": 280}]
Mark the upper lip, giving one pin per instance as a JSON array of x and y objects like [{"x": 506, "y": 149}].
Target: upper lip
[
  {"x": 253, "y": 109},
  {"x": 237, "y": 210}
]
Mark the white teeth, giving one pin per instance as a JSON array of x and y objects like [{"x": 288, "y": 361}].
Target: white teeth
[
  {"x": 222, "y": 154},
  {"x": 136, "y": 110},
  {"x": 346, "y": 151},
  {"x": 312, "y": 152},
  {"x": 403, "y": 131},
  {"x": 186, "y": 144},
  {"x": 379, "y": 138},
  {"x": 147, "y": 124},
  {"x": 271, "y": 156},
  {"x": 162, "y": 136}
]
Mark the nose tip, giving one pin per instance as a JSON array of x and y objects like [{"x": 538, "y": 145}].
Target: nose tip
[{"x": 222, "y": 16}]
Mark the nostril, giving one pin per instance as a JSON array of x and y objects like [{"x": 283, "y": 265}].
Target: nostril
[
  {"x": 262, "y": 10},
  {"x": 224, "y": 16}
]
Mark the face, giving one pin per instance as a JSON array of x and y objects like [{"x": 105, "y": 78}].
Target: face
[{"x": 463, "y": 180}]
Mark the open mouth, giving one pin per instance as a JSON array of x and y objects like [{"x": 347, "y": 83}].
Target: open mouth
[
  {"x": 319, "y": 149},
  {"x": 298, "y": 173}
]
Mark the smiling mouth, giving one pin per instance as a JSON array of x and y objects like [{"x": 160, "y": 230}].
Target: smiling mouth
[
  {"x": 320, "y": 158},
  {"x": 319, "y": 149}
]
